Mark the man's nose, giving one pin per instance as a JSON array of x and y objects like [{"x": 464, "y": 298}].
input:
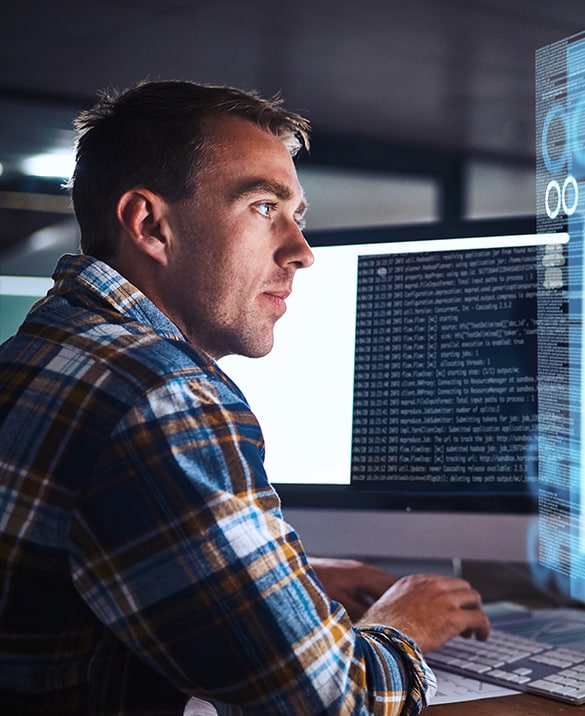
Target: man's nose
[{"x": 295, "y": 249}]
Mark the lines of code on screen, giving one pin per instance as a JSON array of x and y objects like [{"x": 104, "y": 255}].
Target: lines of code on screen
[{"x": 445, "y": 368}]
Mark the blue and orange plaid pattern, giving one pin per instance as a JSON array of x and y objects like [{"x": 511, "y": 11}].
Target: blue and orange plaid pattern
[{"x": 143, "y": 554}]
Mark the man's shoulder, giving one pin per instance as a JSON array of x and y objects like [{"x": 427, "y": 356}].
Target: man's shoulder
[{"x": 76, "y": 339}]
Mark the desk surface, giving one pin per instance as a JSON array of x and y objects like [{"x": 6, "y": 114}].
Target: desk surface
[{"x": 517, "y": 705}]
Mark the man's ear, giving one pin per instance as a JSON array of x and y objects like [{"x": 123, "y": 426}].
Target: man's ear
[{"x": 141, "y": 214}]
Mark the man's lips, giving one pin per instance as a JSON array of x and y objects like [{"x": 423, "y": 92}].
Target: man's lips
[
  {"x": 278, "y": 298},
  {"x": 283, "y": 295}
]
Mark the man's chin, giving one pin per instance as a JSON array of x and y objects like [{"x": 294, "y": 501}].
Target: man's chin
[
  {"x": 257, "y": 353},
  {"x": 253, "y": 348}
]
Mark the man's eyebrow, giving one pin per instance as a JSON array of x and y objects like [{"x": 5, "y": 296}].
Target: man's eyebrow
[
  {"x": 302, "y": 209},
  {"x": 259, "y": 186}
]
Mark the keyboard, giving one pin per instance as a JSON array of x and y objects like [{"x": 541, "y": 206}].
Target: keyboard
[{"x": 516, "y": 662}]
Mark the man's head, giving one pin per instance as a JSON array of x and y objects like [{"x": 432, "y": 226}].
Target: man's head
[
  {"x": 155, "y": 135},
  {"x": 195, "y": 194}
]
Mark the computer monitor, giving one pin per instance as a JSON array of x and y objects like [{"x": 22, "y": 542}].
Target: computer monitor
[{"x": 399, "y": 404}]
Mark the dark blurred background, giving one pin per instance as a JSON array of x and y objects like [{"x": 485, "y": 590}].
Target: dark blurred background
[{"x": 423, "y": 110}]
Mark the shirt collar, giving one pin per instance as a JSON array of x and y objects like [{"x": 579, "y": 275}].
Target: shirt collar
[{"x": 75, "y": 272}]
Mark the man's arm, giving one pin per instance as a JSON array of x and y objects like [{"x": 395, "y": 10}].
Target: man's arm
[
  {"x": 181, "y": 551},
  {"x": 352, "y": 583}
]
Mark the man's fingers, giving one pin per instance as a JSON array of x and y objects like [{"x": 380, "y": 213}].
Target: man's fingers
[{"x": 431, "y": 609}]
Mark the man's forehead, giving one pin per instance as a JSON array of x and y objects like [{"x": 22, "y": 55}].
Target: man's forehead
[
  {"x": 247, "y": 159},
  {"x": 226, "y": 128}
]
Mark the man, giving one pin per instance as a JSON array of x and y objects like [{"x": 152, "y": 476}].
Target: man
[{"x": 144, "y": 558}]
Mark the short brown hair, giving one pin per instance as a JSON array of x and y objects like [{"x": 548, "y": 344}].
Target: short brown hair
[{"x": 153, "y": 135}]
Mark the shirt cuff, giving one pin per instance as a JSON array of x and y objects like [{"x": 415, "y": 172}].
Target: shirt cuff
[{"x": 423, "y": 684}]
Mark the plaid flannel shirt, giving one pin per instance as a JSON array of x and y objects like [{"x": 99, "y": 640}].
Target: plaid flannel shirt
[{"x": 143, "y": 554}]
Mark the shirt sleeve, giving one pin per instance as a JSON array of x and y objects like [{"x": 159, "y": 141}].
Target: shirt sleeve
[{"x": 179, "y": 548}]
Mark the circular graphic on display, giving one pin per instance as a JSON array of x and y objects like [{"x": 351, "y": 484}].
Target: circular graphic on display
[
  {"x": 554, "y": 139},
  {"x": 570, "y": 195},
  {"x": 552, "y": 199}
]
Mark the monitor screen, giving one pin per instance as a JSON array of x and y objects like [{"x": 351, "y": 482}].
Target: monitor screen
[{"x": 403, "y": 378}]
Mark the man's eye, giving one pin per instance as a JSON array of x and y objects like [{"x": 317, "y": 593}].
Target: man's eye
[
  {"x": 301, "y": 222},
  {"x": 265, "y": 208}
]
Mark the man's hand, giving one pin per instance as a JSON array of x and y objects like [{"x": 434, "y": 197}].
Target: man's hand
[
  {"x": 430, "y": 609},
  {"x": 354, "y": 584}
]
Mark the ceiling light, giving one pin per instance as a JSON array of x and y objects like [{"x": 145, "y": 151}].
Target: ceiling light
[{"x": 57, "y": 164}]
